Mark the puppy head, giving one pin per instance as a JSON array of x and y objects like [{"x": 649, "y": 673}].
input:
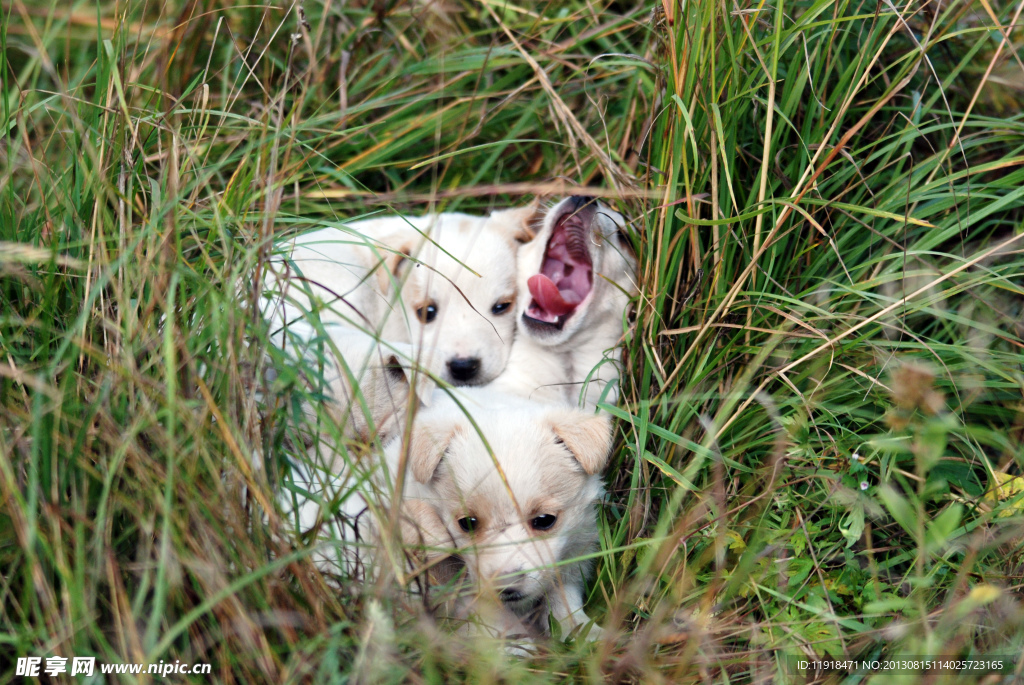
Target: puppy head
[
  {"x": 578, "y": 271},
  {"x": 517, "y": 510},
  {"x": 460, "y": 292}
]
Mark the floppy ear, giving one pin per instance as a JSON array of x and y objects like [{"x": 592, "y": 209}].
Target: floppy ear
[
  {"x": 428, "y": 444},
  {"x": 520, "y": 223},
  {"x": 398, "y": 375},
  {"x": 421, "y": 527},
  {"x": 587, "y": 436},
  {"x": 393, "y": 263}
]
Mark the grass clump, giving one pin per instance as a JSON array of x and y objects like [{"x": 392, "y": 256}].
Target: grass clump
[{"x": 821, "y": 421}]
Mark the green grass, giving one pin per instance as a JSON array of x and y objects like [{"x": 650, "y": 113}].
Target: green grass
[{"x": 824, "y": 376}]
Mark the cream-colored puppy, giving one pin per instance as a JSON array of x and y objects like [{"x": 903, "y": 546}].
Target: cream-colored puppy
[
  {"x": 520, "y": 507},
  {"x": 576, "y": 278},
  {"x": 519, "y": 511}
]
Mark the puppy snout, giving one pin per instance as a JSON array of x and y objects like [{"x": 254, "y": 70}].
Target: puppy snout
[
  {"x": 464, "y": 369},
  {"x": 509, "y": 585},
  {"x": 511, "y": 595},
  {"x": 583, "y": 208}
]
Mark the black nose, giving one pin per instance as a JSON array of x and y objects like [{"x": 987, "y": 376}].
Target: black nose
[
  {"x": 510, "y": 594},
  {"x": 464, "y": 368},
  {"x": 581, "y": 200}
]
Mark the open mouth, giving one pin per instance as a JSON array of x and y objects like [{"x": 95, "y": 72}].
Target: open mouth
[{"x": 566, "y": 275}]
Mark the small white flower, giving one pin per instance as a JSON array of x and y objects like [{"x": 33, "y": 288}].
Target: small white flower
[
  {"x": 864, "y": 485},
  {"x": 855, "y": 456}
]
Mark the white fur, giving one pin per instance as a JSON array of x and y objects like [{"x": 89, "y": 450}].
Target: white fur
[
  {"x": 361, "y": 289},
  {"x": 543, "y": 460},
  {"x": 579, "y": 359},
  {"x": 368, "y": 385}
]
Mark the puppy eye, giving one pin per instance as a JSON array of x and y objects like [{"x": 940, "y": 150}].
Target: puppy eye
[
  {"x": 543, "y": 522},
  {"x": 427, "y": 314},
  {"x": 468, "y": 523},
  {"x": 501, "y": 308}
]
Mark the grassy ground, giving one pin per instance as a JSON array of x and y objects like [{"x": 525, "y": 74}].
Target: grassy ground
[{"x": 825, "y": 384}]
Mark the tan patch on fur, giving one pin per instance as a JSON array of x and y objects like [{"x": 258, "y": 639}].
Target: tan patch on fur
[
  {"x": 480, "y": 506},
  {"x": 589, "y": 439},
  {"x": 390, "y": 268},
  {"x": 426, "y": 448},
  {"x": 546, "y": 505},
  {"x": 522, "y": 223}
]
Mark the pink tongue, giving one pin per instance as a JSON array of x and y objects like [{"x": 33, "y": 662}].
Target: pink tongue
[{"x": 546, "y": 293}]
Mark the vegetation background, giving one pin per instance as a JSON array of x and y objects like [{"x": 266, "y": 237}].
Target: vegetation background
[{"x": 823, "y": 410}]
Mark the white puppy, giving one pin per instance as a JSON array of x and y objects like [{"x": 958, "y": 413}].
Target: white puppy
[
  {"x": 437, "y": 291},
  {"x": 446, "y": 282},
  {"x": 576, "y": 278},
  {"x": 520, "y": 507},
  {"x": 519, "y": 510}
]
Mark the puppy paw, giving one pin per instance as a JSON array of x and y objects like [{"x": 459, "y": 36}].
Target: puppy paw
[{"x": 522, "y": 648}]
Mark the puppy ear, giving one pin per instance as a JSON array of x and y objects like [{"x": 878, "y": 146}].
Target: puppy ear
[
  {"x": 393, "y": 263},
  {"x": 399, "y": 372},
  {"x": 587, "y": 436},
  {"x": 428, "y": 444},
  {"x": 521, "y": 223},
  {"x": 421, "y": 527}
]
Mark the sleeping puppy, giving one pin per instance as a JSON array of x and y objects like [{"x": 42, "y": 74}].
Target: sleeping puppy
[
  {"x": 520, "y": 509},
  {"x": 576, "y": 278},
  {"x": 436, "y": 292}
]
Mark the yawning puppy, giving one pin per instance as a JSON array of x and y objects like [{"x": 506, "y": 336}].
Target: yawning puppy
[
  {"x": 576, "y": 278},
  {"x": 520, "y": 508}
]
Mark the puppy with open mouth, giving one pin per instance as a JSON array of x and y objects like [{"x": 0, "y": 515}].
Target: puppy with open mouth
[{"x": 576, "y": 278}]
